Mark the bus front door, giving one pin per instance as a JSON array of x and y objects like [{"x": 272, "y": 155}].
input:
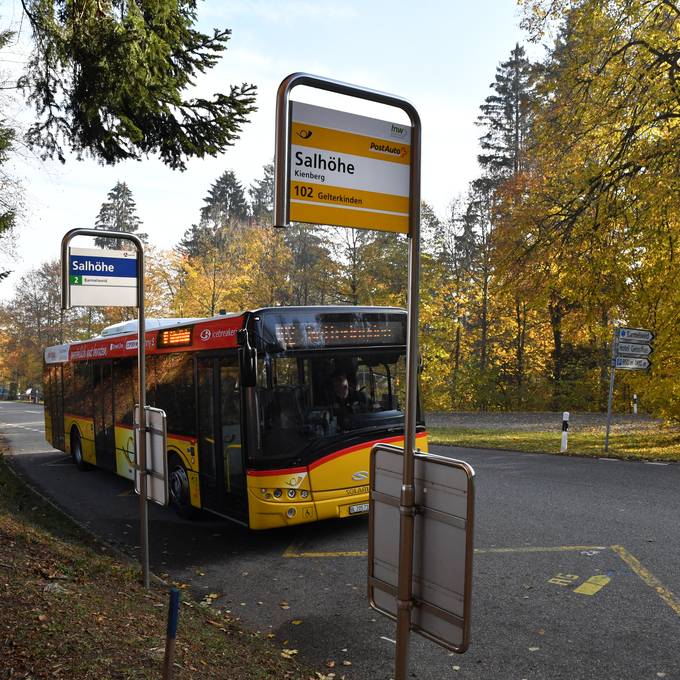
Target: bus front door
[
  {"x": 220, "y": 454},
  {"x": 104, "y": 434}
]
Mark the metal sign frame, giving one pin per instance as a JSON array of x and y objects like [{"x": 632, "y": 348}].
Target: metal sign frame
[
  {"x": 434, "y": 609},
  {"x": 141, "y": 364},
  {"x": 282, "y": 219},
  {"x": 156, "y": 428}
]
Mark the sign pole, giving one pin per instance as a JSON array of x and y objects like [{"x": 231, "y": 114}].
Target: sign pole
[
  {"x": 407, "y": 507},
  {"x": 612, "y": 372},
  {"x": 141, "y": 366}
]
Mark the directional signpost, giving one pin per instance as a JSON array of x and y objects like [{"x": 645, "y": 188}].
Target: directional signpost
[{"x": 631, "y": 348}]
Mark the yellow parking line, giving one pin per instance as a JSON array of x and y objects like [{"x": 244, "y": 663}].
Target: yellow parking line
[
  {"x": 293, "y": 550},
  {"x": 531, "y": 549},
  {"x": 593, "y": 585},
  {"x": 649, "y": 578}
]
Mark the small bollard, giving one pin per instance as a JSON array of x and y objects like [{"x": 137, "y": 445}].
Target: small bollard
[
  {"x": 635, "y": 404},
  {"x": 565, "y": 429},
  {"x": 171, "y": 635}
]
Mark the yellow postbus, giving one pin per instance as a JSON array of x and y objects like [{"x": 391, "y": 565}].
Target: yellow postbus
[{"x": 271, "y": 413}]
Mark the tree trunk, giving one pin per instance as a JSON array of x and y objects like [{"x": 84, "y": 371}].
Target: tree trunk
[
  {"x": 556, "y": 312},
  {"x": 521, "y": 323}
]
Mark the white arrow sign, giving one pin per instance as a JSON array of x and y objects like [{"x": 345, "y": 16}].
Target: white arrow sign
[
  {"x": 631, "y": 364},
  {"x": 633, "y": 349},
  {"x": 635, "y": 335}
]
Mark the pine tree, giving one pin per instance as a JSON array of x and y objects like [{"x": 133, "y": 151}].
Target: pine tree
[
  {"x": 261, "y": 194},
  {"x": 226, "y": 202},
  {"x": 110, "y": 79},
  {"x": 225, "y": 206},
  {"x": 10, "y": 189},
  {"x": 506, "y": 117},
  {"x": 119, "y": 213}
]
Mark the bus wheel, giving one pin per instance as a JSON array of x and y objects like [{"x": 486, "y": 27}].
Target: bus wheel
[
  {"x": 77, "y": 451},
  {"x": 180, "y": 497}
]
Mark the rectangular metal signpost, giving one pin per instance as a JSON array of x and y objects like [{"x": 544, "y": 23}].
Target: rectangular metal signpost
[
  {"x": 346, "y": 170},
  {"x": 631, "y": 348},
  {"x": 156, "y": 453},
  {"x": 442, "y": 568},
  {"x": 103, "y": 278}
]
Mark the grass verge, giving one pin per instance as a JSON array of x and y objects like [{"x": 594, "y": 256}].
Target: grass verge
[
  {"x": 662, "y": 444},
  {"x": 69, "y": 610}
]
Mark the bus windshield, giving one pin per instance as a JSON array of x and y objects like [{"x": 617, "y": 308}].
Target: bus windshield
[{"x": 307, "y": 400}]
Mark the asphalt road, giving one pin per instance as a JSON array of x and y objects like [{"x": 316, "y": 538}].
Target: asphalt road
[{"x": 545, "y": 525}]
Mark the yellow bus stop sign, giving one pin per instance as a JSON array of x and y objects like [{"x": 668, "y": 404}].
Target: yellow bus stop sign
[{"x": 348, "y": 170}]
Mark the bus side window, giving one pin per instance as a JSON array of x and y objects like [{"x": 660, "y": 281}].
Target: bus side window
[
  {"x": 124, "y": 397},
  {"x": 81, "y": 389},
  {"x": 67, "y": 377},
  {"x": 175, "y": 391}
]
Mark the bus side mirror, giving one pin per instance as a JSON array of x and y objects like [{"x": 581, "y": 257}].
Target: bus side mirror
[{"x": 247, "y": 359}]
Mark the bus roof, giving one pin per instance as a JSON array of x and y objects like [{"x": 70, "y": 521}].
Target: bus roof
[{"x": 186, "y": 334}]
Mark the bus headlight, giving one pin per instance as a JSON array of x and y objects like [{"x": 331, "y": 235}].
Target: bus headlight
[
  {"x": 304, "y": 493},
  {"x": 291, "y": 513},
  {"x": 291, "y": 493},
  {"x": 277, "y": 493}
]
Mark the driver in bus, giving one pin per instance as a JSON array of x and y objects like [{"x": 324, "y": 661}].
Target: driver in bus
[{"x": 346, "y": 399}]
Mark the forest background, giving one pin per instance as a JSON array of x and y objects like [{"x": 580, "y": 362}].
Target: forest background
[{"x": 570, "y": 229}]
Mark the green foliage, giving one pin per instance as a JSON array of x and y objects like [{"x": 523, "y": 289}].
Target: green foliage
[
  {"x": 111, "y": 80},
  {"x": 8, "y": 186}
]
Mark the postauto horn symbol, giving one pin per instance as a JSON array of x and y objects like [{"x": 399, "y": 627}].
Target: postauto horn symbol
[{"x": 360, "y": 476}]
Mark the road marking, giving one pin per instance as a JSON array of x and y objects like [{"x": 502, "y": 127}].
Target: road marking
[
  {"x": 382, "y": 637},
  {"x": 293, "y": 550},
  {"x": 531, "y": 549},
  {"x": 564, "y": 579},
  {"x": 652, "y": 462},
  {"x": 593, "y": 585},
  {"x": 649, "y": 578}
]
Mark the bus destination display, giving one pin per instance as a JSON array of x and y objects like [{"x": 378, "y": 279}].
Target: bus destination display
[{"x": 301, "y": 334}]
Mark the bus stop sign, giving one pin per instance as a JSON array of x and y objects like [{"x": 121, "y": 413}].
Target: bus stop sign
[{"x": 102, "y": 278}]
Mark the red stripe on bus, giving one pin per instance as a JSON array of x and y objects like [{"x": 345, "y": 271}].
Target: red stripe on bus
[
  {"x": 282, "y": 471},
  {"x": 329, "y": 457}
]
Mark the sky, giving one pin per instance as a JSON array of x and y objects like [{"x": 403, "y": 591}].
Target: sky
[{"x": 441, "y": 56}]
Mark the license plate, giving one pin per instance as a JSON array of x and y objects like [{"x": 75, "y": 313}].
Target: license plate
[{"x": 359, "y": 507}]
